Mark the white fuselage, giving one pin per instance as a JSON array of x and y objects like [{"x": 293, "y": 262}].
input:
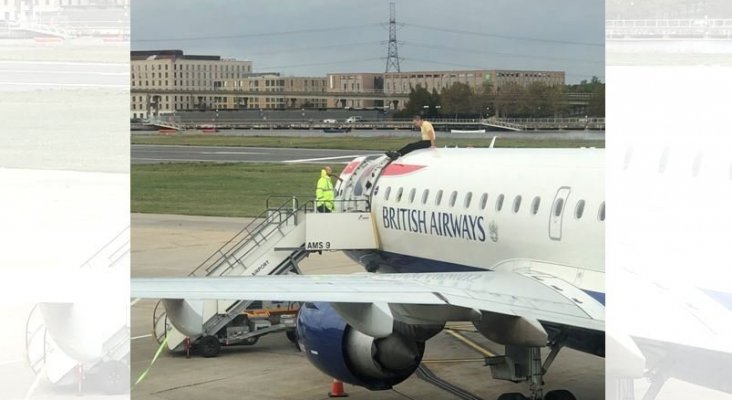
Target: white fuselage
[{"x": 507, "y": 209}]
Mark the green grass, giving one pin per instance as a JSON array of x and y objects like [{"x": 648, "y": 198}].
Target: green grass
[
  {"x": 230, "y": 190},
  {"x": 241, "y": 190},
  {"x": 349, "y": 143}
]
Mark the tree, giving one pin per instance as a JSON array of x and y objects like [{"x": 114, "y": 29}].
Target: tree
[
  {"x": 418, "y": 98},
  {"x": 457, "y": 99},
  {"x": 543, "y": 100},
  {"x": 510, "y": 100},
  {"x": 596, "y": 106}
]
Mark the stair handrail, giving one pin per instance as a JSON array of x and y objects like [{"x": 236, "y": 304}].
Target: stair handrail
[{"x": 269, "y": 217}]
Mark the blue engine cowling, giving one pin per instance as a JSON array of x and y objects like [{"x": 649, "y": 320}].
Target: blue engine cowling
[{"x": 346, "y": 354}]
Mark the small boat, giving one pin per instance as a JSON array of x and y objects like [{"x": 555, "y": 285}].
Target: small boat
[
  {"x": 336, "y": 130},
  {"x": 467, "y": 131}
]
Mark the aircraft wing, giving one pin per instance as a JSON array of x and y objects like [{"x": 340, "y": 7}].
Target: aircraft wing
[{"x": 533, "y": 296}]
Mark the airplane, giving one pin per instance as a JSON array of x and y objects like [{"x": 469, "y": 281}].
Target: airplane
[{"x": 510, "y": 239}]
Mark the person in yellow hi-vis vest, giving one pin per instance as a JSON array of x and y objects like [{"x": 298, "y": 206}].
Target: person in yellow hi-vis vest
[{"x": 324, "y": 194}]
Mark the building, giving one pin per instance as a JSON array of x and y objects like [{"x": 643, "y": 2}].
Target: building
[
  {"x": 167, "y": 81},
  {"x": 401, "y": 83},
  {"x": 279, "y": 92},
  {"x": 348, "y": 84},
  {"x": 164, "y": 81}
]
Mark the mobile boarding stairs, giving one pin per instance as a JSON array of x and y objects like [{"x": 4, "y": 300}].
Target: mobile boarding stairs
[{"x": 272, "y": 244}]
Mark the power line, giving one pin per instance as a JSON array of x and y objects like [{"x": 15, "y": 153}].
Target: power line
[
  {"x": 259, "y": 34},
  {"x": 509, "y": 37},
  {"x": 299, "y": 49},
  {"x": 473, "y": 51}
]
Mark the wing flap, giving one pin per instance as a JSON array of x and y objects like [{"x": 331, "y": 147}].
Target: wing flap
[{"x": 501, "y": 292}]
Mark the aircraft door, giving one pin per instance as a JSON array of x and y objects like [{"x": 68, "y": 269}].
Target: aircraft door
[{"x": 556, "y": 214}]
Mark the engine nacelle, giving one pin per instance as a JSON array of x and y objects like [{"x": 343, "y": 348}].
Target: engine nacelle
[{"x": 346, "y": 354}]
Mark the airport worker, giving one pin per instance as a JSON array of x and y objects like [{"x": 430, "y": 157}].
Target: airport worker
[
  {"x": 428, "y": 139},
  {"x": 324, "y": 194}
]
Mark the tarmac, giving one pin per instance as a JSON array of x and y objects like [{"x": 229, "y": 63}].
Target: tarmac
[{"x": 172, "y": 245}]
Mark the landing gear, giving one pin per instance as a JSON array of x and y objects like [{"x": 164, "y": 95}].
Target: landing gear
[
  {"x": 512, "y": 396},
  {"x": 524, "y": 363},
  {"x": 559, "y": 395},
  {"x": 209, "y": 346}
]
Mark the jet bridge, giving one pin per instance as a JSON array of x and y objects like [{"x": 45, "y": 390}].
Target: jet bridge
[{"x": 272, "y": 244}]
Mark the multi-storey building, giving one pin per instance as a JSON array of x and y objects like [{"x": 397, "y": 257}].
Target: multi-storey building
[{"x": 168, "y": 80}]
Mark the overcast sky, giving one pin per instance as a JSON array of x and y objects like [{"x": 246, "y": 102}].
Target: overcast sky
[{"x": 315, "y": 37}]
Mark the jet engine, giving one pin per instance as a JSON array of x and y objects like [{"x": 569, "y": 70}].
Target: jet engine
[{"x": 344, "y": 353}]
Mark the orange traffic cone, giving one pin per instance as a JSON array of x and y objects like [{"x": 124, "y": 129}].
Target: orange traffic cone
[{"x": 336, "y": 389}]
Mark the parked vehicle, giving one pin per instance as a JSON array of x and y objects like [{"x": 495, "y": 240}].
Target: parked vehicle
[{"x": 353, "y": 119}]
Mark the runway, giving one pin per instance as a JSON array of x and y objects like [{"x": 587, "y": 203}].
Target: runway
[
  {"x": 153, "y": 154},
  {"x": 29, "y": 75},
  {"x": 172, "y": 245}
]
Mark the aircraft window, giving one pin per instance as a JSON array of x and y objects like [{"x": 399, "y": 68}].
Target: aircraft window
[
  {"x": 468, "y": 198},
  {"x": 601, "y": 213},
  {"x": 499, "y": 202},
  {"x": 516, "y": 204},
  {"x": 558, "y": 206},
  {"x": 535, "y": 205},
  {"x": 398, "y": 197},
  {"x": 425, "y": 196},
  {"x": 580, "y": 209},
  {"x": 438, "y": 197},
  {"x": 483, "y": 201},
  {"x": 411, "y": 195},
  {"x": 453, "y": 198},
  {"x": 386, "y": 193}
]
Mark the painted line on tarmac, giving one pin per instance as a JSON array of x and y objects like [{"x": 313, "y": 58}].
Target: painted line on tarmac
[
  {"x": 475, "y": 346},
  {"x": 453, "y": 360},
  {"x": 184, "y": 160},
  {"x": 141, "y": 337},
  {"x": 229, "y": 152},
  {"x": 306, "y": 160}
]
